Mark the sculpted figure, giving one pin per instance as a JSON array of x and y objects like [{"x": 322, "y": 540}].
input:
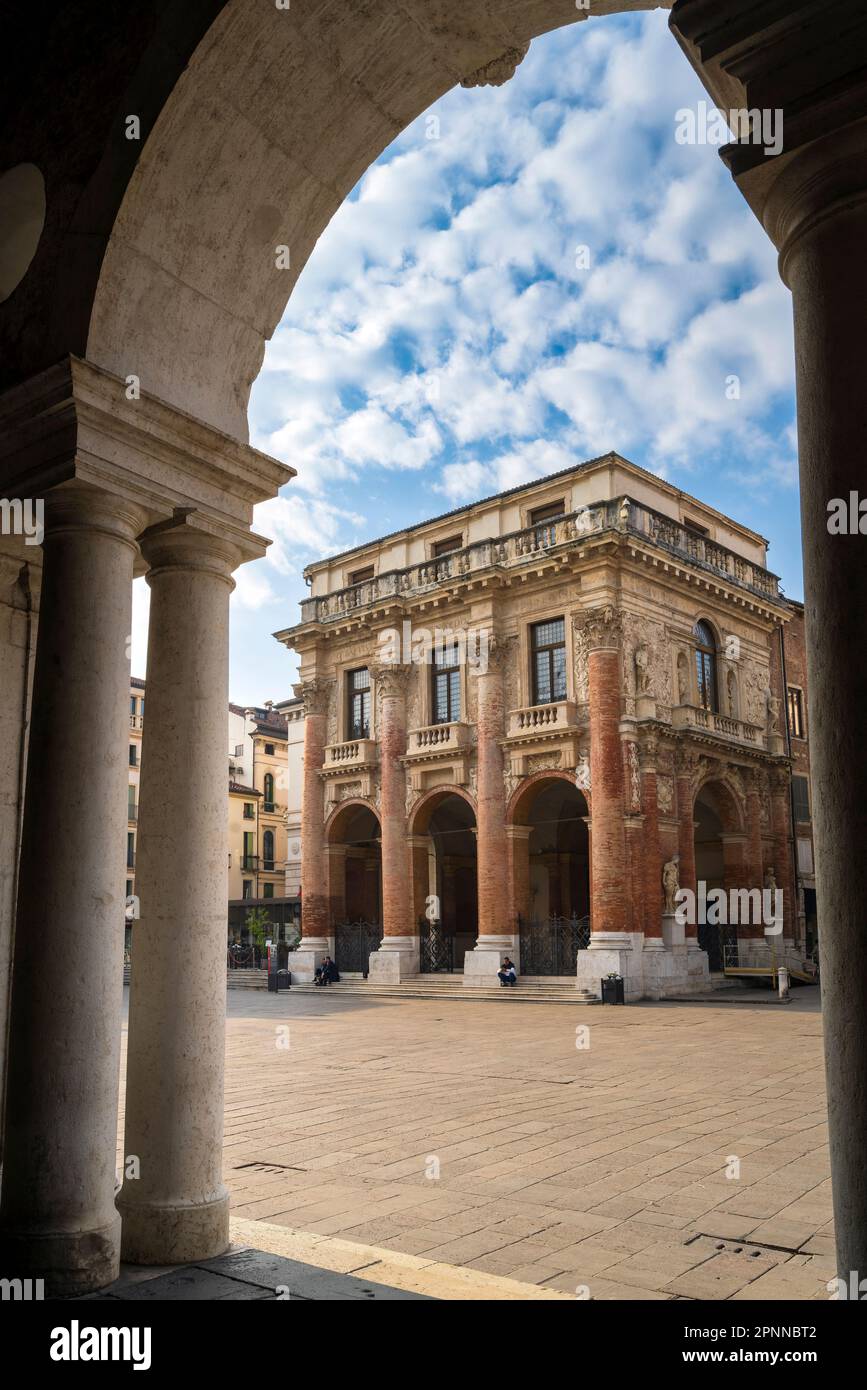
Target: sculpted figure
[
  {"x": 731, "y": 688},
  {"x": 642, "y": 670},
  {"x": 670, "y": 882},
  {"x": 773, "y": 708},
  {"x": 682, "y": 679}
]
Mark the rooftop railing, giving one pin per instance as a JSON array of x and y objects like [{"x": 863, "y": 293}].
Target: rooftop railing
[{"x": 620, "y": 515}]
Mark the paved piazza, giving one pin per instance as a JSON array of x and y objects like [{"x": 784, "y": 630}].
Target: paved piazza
[{"x": 602, "y": 1167}]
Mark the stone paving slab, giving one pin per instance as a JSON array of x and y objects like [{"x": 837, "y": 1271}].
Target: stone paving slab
[{"x": 480, "y": 1137}]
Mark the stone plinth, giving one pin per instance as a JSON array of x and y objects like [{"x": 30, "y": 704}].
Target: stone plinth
[
  {"x": 482, "y": 964},
  {"x": 397, "y": 959}
]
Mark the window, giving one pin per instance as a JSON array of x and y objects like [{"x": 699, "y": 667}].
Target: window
[
  {"x": 132, "y": 705},
  {"x": 547, "y": 513},
  {"x": 247, "y": 888},
  {"x": 249, "y": 810},
  {"x": 132, "y": 808},
  {"x": 267, "y": 890},
  {"x": 133, "y": 757},
  {"x": 268, "y": 849},
  {"x": 446, "y": 693},
  {"x": 359, "y": 576},
  {"x": 805, "y": 856},
  {"x": 129, "y": 888},
  {"x": 796, "y": 712},
  {"x": 358, "y": 683},
  {"x": 269, "y": 792},
  {"x": 249, "y": 860},
  {"x": 548, "y": 644},
  {"x": 801, "y": 798},
  {"x": 130, "y": 849},
  {"x": 445, "y": 547},
  {"x": 705, "y": 665},
  {"x": 269, "y": 750},
  {"x": 239, "y": 750}
]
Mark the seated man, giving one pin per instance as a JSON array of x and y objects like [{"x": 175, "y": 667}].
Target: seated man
[
  {"x": 507, "y": 974},
  {"x": 326, "y": 973}
]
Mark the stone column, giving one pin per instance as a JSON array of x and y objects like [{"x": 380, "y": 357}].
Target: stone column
[
  {"x": 496, "y": 936},
  {"x": 58, "y": 1219},
  {"x": 398, "y": 954},
  {"x": 612, "y": 946},
  {"x": 336, "y": 856},
  {"x": 314, "y": 944},
  {"x": 812, "y": 201},
  {"x": 177, "y": 1207}
]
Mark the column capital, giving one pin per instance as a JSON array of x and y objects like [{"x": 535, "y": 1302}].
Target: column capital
[
  {"x": 602, "y": 628},
  {"x": 84, "y": 507},
  {"x": 316, "y": 694},
  {"x": 190, "y": 541},
  {"x": 391, "y": 677},
  {"x": 500, "y": 649}
]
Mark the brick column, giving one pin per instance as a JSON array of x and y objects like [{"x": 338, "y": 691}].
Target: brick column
[
  {"x": 612, "y": 946},
  {"x": 783, "y": 867},
  {"x": 419, "y": 869},
  {"x": 754, "y": 871},
  {"x": 653, "y": 860},
  {"x": 518, "y": 842},
  {"x": 336, "y": 862},
  {"x": 397, "y": 957},
  {"x": 372, "y": 905},
  {"x": 685, "y": 762},
  {"x": 496, "y": 935},
  {"x": 314, "y": 945}
]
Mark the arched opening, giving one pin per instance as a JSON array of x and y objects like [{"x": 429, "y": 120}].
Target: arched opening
[
  {"x": 449, "y": 925},
  {"x": 706, "y": 666},
  {"x": 353, "y": 841},
  {"x": 551, "y": 875},
  {"x": 718, "y": 864}
]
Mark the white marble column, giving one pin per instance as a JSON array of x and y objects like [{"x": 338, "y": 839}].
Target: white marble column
[
  {"x": 177, "y": 1209},
  {"x": 58, "y": 1218}
]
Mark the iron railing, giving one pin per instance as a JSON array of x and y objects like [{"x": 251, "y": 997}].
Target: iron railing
[{"x": 551, "y": 946}]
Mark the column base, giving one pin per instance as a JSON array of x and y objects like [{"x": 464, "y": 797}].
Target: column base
[
  {"x": 482, "y": 964},
  {"x": 651, "y": 967},
  {"x": 70, "y": 1262},
  {"x": 165, "y": 1235},
  {"x": 302, "y": 962},
  {"x": 397, "y": 959}
]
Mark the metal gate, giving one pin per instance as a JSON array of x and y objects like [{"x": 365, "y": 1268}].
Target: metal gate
[
  {"x": 353, "y": 943},
  {"x": 551, "y": 947},
  {"x": 436, "y": 948}
]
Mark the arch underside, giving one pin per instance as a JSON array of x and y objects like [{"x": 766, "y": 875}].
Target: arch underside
[{"x": 159, "y": 258}]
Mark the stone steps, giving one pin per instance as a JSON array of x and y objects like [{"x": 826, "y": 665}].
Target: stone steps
[{"x": 439, "y": 990}]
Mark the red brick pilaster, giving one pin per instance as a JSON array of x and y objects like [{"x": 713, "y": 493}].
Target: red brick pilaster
[
  {"x": 608, "y": 842},
  {"x": 492, "y": 851},
  {"x": 314, "y": 878},
  {"x": 653, "y": 860},
  {"x": 783, "y": 868},
  {"x": 336, "y": 858},
  {"x": 685, "y": 762},
  {"x": 754, "y": 869},
  {"x": 391, "y": 683},
  {"x": 518, "y": 842},
  {"x": 419, "y": 849}
]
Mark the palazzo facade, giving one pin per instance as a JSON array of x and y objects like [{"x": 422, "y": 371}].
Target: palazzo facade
[{"x": 519, "y": 713}]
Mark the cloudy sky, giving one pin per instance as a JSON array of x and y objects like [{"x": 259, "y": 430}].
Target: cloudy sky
[{"x": 449, "y": 336}]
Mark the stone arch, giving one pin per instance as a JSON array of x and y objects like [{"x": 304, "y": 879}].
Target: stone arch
[
  {"x": 353, "y": 834},
  {"x": 422, "y": 809},
  {"x": 159, "y": 255},
  {"x": 335, "y": 822},
  {"x": 522, "y": 797},
  {"x": 725, "y": 800}
]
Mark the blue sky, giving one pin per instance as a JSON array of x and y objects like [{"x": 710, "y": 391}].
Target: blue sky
[{"x": 445, "y": 340}]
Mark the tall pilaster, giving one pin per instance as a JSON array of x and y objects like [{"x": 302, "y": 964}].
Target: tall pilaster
[
  {"x": 316, "y": 692},
  {"x": 58, "y": 1219},
  {"x": 398, "y": 954},
  {"x": 496, "y": 936}
]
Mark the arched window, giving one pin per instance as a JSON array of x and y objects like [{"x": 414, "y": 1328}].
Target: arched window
[
  {"x": 705, "y": 665},
  {"x": 269, "y": 792},
  {"x": 268, "y": 849}
]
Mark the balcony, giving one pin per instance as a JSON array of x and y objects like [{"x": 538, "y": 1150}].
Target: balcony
[
  {"x": 437, "y": 739},
  {"x": 717, "y": 725},
  {"x": 541, "y": 720},
  {"x": 345, "y": 757},
  {"x": 136, "y": 721},
  {"x": 550, "y": 539}
]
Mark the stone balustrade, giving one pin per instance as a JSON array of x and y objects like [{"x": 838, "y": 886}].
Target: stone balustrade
[
  {"x": 342, "y": 757},
  {"x": 438, "y": 738},
  {"x": 720, "y": 725},
  {"x": 534, "y": 720},
  {"x": 561, "y": 534}
]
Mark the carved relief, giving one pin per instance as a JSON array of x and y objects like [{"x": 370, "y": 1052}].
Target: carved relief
[
  {"x": 498, "y": 70},
  {"x": 665, "y": 794},
  {"x": 391, "y": 678},
  {"x": 541, "y": 762},
  {"x": 602, "y": 627},
  {"x": 634, "y": 776},
  {"x": 682, "y": 678},
  {"x": 582, "y": 773},
  {"x": 316, "y": 694}
]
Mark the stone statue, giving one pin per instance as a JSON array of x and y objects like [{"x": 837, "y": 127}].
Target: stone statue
[
  {"x": 582, "y": 773},
  {"x": 670, "y": 882},
  {"x": 770, "y": 878},
  {"x": 682, "y": 679},
  {"x": 772, "y": 705},
  {"x": 731, "y": 690},
  {"x": 642, "y": 670}
]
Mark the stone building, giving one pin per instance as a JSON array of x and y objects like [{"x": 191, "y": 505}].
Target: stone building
[{"x": 520, "y": 712}]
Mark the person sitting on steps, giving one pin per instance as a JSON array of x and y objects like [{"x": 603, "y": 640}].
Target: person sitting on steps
[
  {"x": 507, "y": 974},
  {"x": 326, "y": 973}
]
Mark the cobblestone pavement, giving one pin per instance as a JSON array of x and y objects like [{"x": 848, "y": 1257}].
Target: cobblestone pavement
[{"x": 682, "y": 1154}]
